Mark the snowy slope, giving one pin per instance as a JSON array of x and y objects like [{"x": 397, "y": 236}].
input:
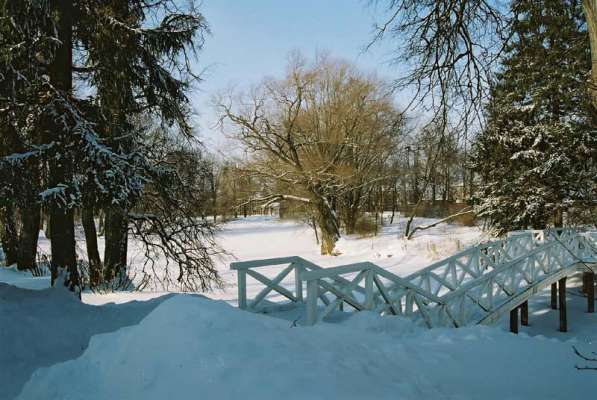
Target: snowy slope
[{"x": 190, "y": 347}]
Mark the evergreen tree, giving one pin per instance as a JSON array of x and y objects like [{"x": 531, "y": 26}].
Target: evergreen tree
[
  {"x": 537, "y": 155},
  {"x": 67, "y": 151}
]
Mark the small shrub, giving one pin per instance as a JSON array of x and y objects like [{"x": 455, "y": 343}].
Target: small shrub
[
  {"x": 465, "y": 219},
  {"x": 432, "y": 252},
  {"x": 365, "y": 226},
  {"x": 441, "y": 209}
]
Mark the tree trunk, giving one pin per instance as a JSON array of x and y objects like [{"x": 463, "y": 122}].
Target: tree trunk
[
  {"x": 413, "y": 213},
  {"x": 558, "y": 218},
  {"x": 433, "y": 191},
  {"x": 100, "y": 223},
  {"x": 327, "y": 222},
  {"x": 394, "y": 200},
  {"x": 314, "y": 225},
  {"x": 590, "y": 9},
  {"x": 61, "y": 218},
  {"x": 381, "y": 205},
  {"x": 63, "y": 245},
  {"x": 214, "y": 196},
  {"x": 45, "y": 217},
  {"x": 116, "y": 234},
  {"x": 8, "y": 234},
  {"x": 350, "y": 220},
  {"x": 95, "y": 262},
  {"x": 30, "y": 224},
  {"x": 352, "y": 205},
  {"x": 447, "y": 185}
]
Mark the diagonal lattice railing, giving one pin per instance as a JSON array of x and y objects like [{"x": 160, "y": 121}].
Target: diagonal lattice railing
[{"x": 474, "y": 286}]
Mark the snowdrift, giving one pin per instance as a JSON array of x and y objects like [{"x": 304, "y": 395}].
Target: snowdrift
[
  {"x": 39, "y": 328},
  {"x": 192, "y": 347}
]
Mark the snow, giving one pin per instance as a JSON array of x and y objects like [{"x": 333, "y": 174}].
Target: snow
[
  {"x": 259, "y": 237},
  {"x": 188, "y": 346},
  {"x": 266, "y": 237},
  {"x": 12, "y": 276},
  {"x": 195, "y": 347},
  {"x": 39, "y": 328}
]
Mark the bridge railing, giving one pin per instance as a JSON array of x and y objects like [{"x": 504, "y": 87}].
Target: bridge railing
[
  {"x": 470, "y": 286},
  {"x": 249, "y": 268},
  {"x": 292, "y": 269},
  {"x": 380, "y": 290},
  {"x": 486, "y": 299},
  {"x": 448, "y": 274}
]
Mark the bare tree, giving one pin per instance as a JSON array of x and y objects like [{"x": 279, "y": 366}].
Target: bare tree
[
  {"x": 170, "y": 223},
  {"x": 451, "y": 47},
  {"x": 315, "y": 133}
]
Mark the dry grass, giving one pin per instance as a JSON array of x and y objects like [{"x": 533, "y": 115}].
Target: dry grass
[
  {"x": 441, "y": 210},
  {"x": 366, "y": 227}
]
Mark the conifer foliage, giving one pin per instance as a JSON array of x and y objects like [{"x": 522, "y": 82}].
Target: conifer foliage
[
  {"x": 75, "y": 75},
  {"x": 537, "y": 156}
]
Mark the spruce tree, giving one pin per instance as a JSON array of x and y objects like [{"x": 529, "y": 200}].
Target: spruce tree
[
  {"x": 537, "y": 154},
  {"x": 133, "y": 57}
]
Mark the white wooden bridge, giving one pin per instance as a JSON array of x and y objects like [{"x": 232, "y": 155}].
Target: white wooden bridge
[{"x": 476, "y": 286}]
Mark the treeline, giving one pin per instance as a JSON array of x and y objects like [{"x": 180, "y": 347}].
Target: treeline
[
  {"x": 421, "y": 170},
  {"x": 94, "y": 122}
]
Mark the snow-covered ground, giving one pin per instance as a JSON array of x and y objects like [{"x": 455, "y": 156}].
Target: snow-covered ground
[
  {"x": 259, "y": 237},
  {"x": 266, "y": 237},
  {"x": 187, "y": 346}
]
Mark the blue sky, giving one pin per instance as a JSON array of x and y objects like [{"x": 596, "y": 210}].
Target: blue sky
[{"x": 251, "y": 39}]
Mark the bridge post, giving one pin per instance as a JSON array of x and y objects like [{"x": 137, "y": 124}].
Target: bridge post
[
  {"x": 312, "y": 294},
  {"x": 590, "y": 292},
  {"x": 554, "y": 296},
  {"x": 241, "y": 275},
  {"x": 369, "y": 290},
  {"x": 562, "y": 298},
  {"x": 586, "y": 277},
  {"x": 514, "y": 320},
  {"x": 298, "y": 283},
  {"x": 524, "y": 314}
]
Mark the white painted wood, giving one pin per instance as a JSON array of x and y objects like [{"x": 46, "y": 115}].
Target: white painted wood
[
  {"x": 335, "y": 271},
  {"x": 350, "y": 300},
  {"x": 242, "y": 289},
  {"x": 383, "y": 292},
  {"x": 298, "y": 283},
  {"x": 312, "y": 295},
  {"x": 369, "y": 290},
  {"x": 262, "y": 263},
  {"x": 477, "y": 285},
  {"x": 271, "y": 285}
]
